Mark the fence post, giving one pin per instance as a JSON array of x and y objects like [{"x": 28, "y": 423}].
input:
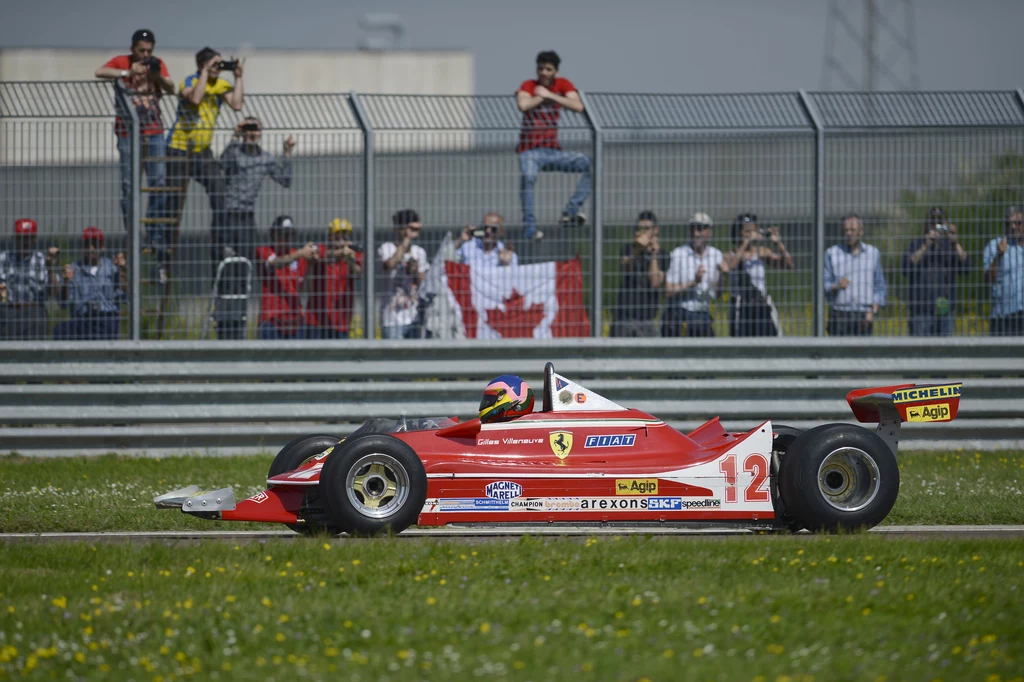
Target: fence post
[
  {"x": 597, "y": 252},
  {"x": 135, "y": 236},
  {"x": 1020, "y": 98},
  {"x": 819, "y": 213},
  {"x": 369, "y": 262}
]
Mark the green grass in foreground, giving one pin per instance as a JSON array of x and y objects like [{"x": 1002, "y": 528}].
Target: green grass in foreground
[
  {"x": 116, "y": 493},
  {"x": 749, "y": 608}
]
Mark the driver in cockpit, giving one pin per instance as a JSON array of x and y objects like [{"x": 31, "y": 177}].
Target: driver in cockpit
[{"x": 506, "y": 398}]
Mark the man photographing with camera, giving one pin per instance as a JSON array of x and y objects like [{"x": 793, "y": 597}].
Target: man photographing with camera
[
  {"x": 931, "y": 265},
  {"x": 145, "y": 78}
]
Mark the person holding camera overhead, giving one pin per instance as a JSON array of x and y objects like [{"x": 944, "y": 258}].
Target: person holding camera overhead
[
  {"x": 145, "y": 78},
  {"x": 244, "y": 165},
  {"x": 405, "y": 266},
  {"x": 199, "y": 100},
  {"x": 483, "y": 246},
  {"x": 931, "y": 265}
]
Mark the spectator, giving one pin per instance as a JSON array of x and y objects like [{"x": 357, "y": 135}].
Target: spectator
[
  {"x": 484, "y": 246},
  {"x": 931, "y": 265},
  {"x": 644, "y": 265},
  {"x": 282, "y": 270},
  {"x": 244, "y": 165},
  {"x": 854, "y": 282},
  {"x": 404, "y": 265},
  {"x": 25, "y": 282},
  {"x": 692, "y": 281},
  {"x": 145, "y": 78},
  {"x": 1004, "y": 270},
  {"x": 333, "y": 281},
  {"x": 541, "y": 101},
  {"x": 751, "y": 310},
  {"x": 199, "y": 100},
  {"x": 93, "y": 291}
]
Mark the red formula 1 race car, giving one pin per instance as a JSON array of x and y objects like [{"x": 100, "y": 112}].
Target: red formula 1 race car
[{"x": 584, "y": 459}]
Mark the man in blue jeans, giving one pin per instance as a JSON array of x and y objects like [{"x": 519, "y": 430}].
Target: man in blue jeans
[
  {"x": 145, "y": 78},
  {"x": 541, "y": 101}
]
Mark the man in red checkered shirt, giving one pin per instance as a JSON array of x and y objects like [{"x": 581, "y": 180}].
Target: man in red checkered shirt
[{"x": 541, "y": 101}]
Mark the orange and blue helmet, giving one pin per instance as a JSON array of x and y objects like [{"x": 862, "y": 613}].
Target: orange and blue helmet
[{"x": 506, "y": 397}]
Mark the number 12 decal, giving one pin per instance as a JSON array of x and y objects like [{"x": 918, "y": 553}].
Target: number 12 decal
[{"x": 753, "y": 464}]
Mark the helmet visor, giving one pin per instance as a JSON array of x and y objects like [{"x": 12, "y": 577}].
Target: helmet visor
[{"x": 491, "y": 398}]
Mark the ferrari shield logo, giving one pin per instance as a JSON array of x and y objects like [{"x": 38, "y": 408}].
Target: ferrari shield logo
[{"x": 561, "y": 443}]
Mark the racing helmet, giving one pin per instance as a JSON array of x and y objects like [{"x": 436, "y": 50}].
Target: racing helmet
[{"x": 506, "y": 397}]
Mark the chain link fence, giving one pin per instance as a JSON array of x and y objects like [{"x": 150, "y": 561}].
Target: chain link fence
[{"x": 782, "y": 214}]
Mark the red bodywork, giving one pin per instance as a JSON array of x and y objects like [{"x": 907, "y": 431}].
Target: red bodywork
[{"x": 615, "y": 466}]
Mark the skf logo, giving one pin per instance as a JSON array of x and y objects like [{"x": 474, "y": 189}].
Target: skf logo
[
  {"x": 665, "y": 504},
  {"x": 919, "y": 393},
  {"x": 636, "y": 486},
  {"x": 561, "y": 443},
  {"x": 928, "y": 413}
]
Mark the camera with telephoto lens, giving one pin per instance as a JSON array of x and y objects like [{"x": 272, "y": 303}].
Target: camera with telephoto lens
[
  {"x": 478, "y": 232},
  {"x": 153, "y": 64},
  {"x": 942, "y": 228},
  {"x": 229, "y": 66},
  {"x": 250, "y": 127}
]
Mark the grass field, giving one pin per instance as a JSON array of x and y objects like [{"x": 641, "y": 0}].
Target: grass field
[
  {"x": 748, "y": 608},
  {"x": 116, "y": 493}
]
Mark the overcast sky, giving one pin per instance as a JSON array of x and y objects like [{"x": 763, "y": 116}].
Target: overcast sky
[{"x": 606, "y": 45}]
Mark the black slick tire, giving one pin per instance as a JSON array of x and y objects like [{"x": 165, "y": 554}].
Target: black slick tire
[{"x": 291, "y": 457}]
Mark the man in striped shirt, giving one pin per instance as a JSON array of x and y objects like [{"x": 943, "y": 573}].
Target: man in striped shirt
[{"x": 854, "y": 282}]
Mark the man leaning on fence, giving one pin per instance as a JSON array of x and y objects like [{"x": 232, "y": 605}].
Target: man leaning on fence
[
  {"x": 92, "y": 291},
  {"x": 541, "y": 100},
  {"x": 145, "y": 78},
  {"x": 931, "y": 264},
  {"x": 244, "y": 164},
  {"x": 644, "y": 264},
  {"x": 199, "y": 100},
  {"x": 692, "y": 282},
  {"x": 26, "y": 280},
  {"x": 854, "y": 282},
  {"x": 1004, "y": 270}
]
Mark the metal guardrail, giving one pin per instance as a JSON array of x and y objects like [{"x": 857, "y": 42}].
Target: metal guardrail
[{"x": 208, "y": 397}]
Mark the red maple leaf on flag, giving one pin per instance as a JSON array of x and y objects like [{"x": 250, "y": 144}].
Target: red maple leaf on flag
[{"x": 515, "y": 322}]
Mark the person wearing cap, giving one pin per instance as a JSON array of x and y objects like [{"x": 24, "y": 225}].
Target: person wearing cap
[
  {"x": 1004, "y": 270},
  {"x": 244, "y": 164},
  {"x": 26, "y": 279},
  {"x": 855, "y": 285},
  {"x": 931, "y": 265},
  {"x": 405, "y": 266},
  {"x": 332, "y": 283},
  {"x": 751, "y": 309},
  {"x": 692, "y": 283},
  {"x": 92, "y": 292},
  {"x": 484, "y": 247},
  {"x": 644, "y": 264},
  {"x": 200, "y": 96},
  {"x": 145, "y": 79},
  {"x": 282, "y": 269}
]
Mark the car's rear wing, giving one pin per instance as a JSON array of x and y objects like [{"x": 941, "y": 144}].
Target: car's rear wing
[{"x": 890, "y": 406}]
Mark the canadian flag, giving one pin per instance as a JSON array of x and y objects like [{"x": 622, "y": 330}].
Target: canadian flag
[{"x": 541, "y": 300}]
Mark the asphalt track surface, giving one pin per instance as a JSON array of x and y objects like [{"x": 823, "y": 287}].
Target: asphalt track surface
[{"x": 476, "y": 532}]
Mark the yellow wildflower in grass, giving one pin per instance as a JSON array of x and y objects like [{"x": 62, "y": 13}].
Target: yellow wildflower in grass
[
  {"x": 957, "y": 650},
  {"x": 164, "y": 650},
  {"x": 637, "y": 601},
  {"x": 60, "y": 602},
  {"x": 430, "y": 602},
  {"x": 702, "y": 600},
  {"x": 485, "y": 627},
  {"x": 988, "y": 639},
  {"x": 402, "y": 654},
  {"x": 79, "y": 657},
  {"x": 587, "y": 667},
  {"x": 518, "y": 665},
  {"x": 226, "y": 666},
  {"x": 279, "y": 637},
  {"x": 697, "y": 653},
  {"x": 266, "y": 602},
  {"x": 230, "y": 599},
  {"x": 866, "y": 611},
  {"x": 268, "y": 558},
  {"x": 283, "y": 618},
  {"x": 327, "y": 546},
  {"x": 776, "y": 649},
  {"x": 668, "y": 653},
  {"x": 257, "y": 629}
]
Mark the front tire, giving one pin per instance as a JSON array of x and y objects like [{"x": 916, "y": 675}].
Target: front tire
[
  {"x": 376, "y": 484},
  {"x": 839, "y": 477},
  {"x": 291, "y": 457}
]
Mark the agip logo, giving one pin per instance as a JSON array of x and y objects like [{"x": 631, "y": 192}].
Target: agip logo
[
  {"x": 928, "y": 413},
  {"x": 636, "y": 486}
]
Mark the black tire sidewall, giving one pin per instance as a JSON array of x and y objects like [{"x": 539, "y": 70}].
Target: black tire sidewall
[
  {"x": 298, "y": 451},
  {"x": 335, "y": 473},
  {"x": 799, "y": 478}
]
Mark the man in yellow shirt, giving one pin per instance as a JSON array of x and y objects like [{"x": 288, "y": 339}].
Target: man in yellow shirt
[{"x": 188, "y": 148}]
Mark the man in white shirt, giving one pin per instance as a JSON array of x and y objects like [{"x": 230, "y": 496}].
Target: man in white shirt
[
  {"x": 404, "y": 266},
  {"x": 694, "y": 273},
  {"x": 486, "y": 249}
]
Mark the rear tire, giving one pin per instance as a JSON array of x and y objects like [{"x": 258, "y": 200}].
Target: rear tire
[
  {"x": 782, "y": 438},
  {"x": 376, "y": 484},
  {"x": 291, "y": 457},
  {"x": 839, "y": 477}
]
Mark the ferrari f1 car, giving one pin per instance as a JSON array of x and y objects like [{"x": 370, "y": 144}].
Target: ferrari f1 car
[{"x": 584, "y": 459}]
